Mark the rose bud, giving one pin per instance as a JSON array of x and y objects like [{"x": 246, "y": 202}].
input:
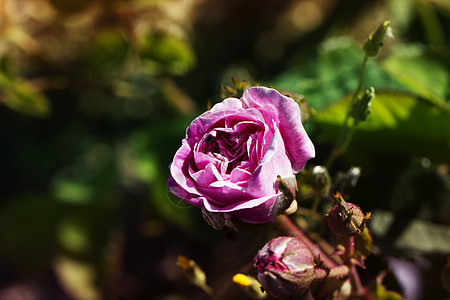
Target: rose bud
[
  {"x": 346, "y": 219},
  {"x": 285, "y": 267},
  {"x": 237, "y": 158},
  {"x": 321, "y": 180}
]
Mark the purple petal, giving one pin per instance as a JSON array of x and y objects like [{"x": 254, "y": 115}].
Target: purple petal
[
  {"x": 232, "y": 113},
  {"x": 180, "y": 182},
  {"x": 274, "y": 162},
  {"x": 261, "y": 213},
  {"x": 207, "y": 176},
  {"x": 240, "y": 175},
  {"x": 245, "y": 205},
  {"x": 222, "y": 194},
  {"x": 286, "y": 114}
]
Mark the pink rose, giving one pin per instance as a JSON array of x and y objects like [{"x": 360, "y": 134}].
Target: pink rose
[{"x": 232, "y": 154}]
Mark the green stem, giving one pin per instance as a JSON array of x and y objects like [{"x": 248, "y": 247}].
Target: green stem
[
  {"x": 357, "y": 287},
  {"x": 335, "y": 272},
  {"x": 337, "y": 151},
  {"x": 345, "y": 134},
  {"x": 314, "y": 207}
]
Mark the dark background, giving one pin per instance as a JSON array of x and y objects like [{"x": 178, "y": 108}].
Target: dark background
[{"x": 95, "y": 97}]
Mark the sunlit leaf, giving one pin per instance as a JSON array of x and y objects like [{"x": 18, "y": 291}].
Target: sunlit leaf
[
  {"x": 400, "y": 123},
  {"x": 20, "y": 96},
  {"x": 73, "y": 237},
  {"x": 72, "y": 192},
  {"x": 443, "y": 4},
  {"x": 381, "y": 293},
  {"x": 363, "y": 243},
  {"x": 402, "y": 12},
  {"x": 331, "y": 74},
  {"x": 77, "y": 278},
  {"x": 420, "y": 236},
  {"x": 424, "y": 73}
]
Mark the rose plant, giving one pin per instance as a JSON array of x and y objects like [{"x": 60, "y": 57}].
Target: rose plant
[{"x": 233, "y": 156}]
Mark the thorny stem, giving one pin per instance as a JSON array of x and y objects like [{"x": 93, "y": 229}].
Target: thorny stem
[
  {"x": 286, "y": 226},
  {"x": 330, "y": 268},
  {"x": 314, "y": 208},
  {"x": 336, "y": 272},
  {"x": 357, "y": 287},
  {"x": 345, "y": 134}
]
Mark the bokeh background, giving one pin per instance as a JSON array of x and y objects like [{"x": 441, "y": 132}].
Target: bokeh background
[{"x": 95, "y": 97}]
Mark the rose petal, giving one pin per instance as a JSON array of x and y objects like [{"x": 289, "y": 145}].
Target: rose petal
[
  {"x": 218, "y": 111},
  {"x": 286, "y": 114},
  {"x": 261, "y": 213},
  {"x": 274, "y": 162},
  {"x": 233, "y": 113},
  {"x": 180, "y": 183},
  {"x": 221, "y": 194},
  {"x": 201, "y": 160},
  {"x": 207, "y": 176},
  {"x": 245, "y": 204},
  {"x": 240, "y": 175}
]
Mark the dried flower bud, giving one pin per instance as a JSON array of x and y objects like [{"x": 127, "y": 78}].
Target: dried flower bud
[
  {"x": 287, "y": 186},
  {"x": 285, "y": 267},
  {"x": 346, "y": 219},
  {"x": 321, "y": 180},
  {"x": 344, "y": 182},
  {"x": 215, "y": 220}
]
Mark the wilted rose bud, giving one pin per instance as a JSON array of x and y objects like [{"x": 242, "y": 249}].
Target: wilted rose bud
[
  {"x": 285, "y": 267},
  {"x": 321, "y": 180},
  {"x": 346, "y": 219}
]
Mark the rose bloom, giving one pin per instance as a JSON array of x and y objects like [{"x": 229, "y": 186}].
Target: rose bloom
[{"x": 232, "y": 154}]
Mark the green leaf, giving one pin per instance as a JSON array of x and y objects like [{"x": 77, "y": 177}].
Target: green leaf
[
  {"x": 20, "y": 96},
  {"x": 78, "y": 277},
  {"x": 363, "y": 243},
  {"x": 400, "y": 123},
  {"x": 83, "y": 231},
  {"x": 420, "y": 236},
  {"x": 71, "y": 191},
  {"x": 381, "y": 293},
  {"x": 107, "y": 51},
  {"x": 443, "y": 4},
  {"x": 421, "y": 70},
  {"x": 162, "y": 53},
  {"x": 331, "y": 74}
]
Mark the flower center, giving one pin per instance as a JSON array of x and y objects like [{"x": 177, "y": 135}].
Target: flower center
[{"x": 229, "y": 146}]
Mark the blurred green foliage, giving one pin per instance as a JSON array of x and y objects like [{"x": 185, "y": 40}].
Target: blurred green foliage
[
  {"x": 95, "y": 97},
  {"x": 399, "y": 123}
]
